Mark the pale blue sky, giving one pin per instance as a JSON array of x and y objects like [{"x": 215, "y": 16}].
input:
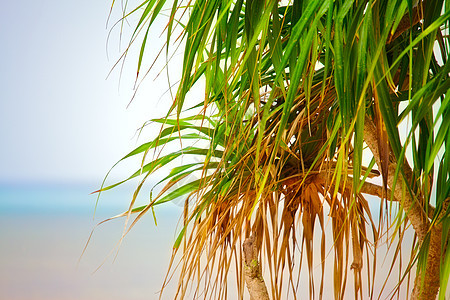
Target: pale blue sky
[{"x": 60, "y": 120}]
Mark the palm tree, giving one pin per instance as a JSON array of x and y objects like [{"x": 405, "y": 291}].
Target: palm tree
[{"x": 310, "y": 109}]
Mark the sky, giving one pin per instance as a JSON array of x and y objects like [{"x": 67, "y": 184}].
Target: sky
[
  {"x": 61, "y": 118},
  {"x": 62, "y": 121}
]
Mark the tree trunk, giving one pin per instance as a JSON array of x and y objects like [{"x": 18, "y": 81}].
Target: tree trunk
[
  {"x": 252, "y": 271},
  {"x": 426, "y": 284}
]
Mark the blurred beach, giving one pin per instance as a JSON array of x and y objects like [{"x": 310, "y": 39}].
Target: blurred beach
[{"x": 44, "y": 229}]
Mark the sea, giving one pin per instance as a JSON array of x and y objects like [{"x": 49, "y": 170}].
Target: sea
[{"x": 44, "y": 229}]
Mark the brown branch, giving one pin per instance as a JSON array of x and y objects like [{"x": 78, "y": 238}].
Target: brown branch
[
  {"x": 427, "y": 282},
  {"x": 252, "y": 271},
  {"x": 370, "y": 189},
  {"x": 411, "y": 206}
]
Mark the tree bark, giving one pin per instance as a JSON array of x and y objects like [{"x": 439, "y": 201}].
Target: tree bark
[
  {"x": 426, "y": 284},
  {"x": 252, "y": 271}
]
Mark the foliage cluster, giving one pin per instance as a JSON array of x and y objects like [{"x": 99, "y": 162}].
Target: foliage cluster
[{"x": 297, "y": 94}]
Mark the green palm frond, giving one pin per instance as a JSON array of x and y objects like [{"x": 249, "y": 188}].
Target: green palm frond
[{"x": 302, "y": 93}]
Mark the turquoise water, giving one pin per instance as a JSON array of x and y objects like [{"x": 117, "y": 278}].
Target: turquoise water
[{"x": 44, "y": 229}]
